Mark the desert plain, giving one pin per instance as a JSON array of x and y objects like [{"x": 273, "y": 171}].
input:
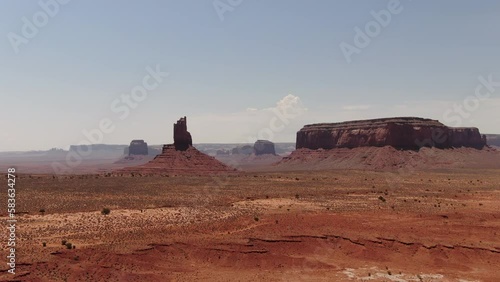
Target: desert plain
[{"x": 331, "y": 225}]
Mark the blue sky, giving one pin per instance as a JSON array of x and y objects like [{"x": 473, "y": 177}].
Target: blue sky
[{"x": 231, "y": 76}]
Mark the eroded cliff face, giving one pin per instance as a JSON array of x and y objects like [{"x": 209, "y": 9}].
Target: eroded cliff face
[
  {"x": 401, "y": 133},
  {"x": 467, "y": 137},
  {"x": 182, "y": 137}
]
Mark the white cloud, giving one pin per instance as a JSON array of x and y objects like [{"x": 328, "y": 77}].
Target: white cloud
[
  {"x": 276, "y": 123},
  {"x": 290, "y": 101},
  {"x": 251, "y": 124}
]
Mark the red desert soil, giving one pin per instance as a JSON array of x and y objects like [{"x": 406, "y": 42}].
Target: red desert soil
[{"x": 343, "y": 225}]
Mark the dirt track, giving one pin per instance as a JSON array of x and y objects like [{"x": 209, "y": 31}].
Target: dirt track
[{"x": 302, "y": 226}]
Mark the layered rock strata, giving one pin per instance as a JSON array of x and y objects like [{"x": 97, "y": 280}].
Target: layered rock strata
[{"x": 402, "y": 133}]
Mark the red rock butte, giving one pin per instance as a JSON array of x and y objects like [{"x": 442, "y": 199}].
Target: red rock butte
[
  {"x": 138, "y": 147},
  {"x": 182, "y": 137},
  {"x": 409, "y": 133},
  {"x": 181, "y": 157}
]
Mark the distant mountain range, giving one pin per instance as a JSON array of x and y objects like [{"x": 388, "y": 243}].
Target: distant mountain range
[
  {"x": 107, "y": 151},
  {"x": 115, "y": 150},
  {"x": 493, "y": 139}
]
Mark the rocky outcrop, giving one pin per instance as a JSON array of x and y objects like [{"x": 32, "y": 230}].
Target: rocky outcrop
[
  {"x": 401, "y": 133},
  {"x": 180, "y": 157},
  {"x": 466, "y": 137},
  {"x": 189, "y": 161},
  {"x": 264, "y": 147},
  {"x": 182, "y": 137},
  {"x": 138, "y": 147}
]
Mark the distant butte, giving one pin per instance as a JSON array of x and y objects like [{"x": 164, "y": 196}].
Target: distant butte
[
  {"x": 408, "y": 133},
  {"x": 138, "y": 147},
  {"x": 264, "y": 147},
  {"x": 181, "y": 157},
  {"x": 389, "y": 144}
]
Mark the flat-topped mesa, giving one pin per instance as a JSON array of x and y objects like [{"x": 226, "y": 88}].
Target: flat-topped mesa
[
  {"x": 138, "y": 147},
  {"x": 409, "y": 133},
  {"x": 182, "y": 137},
  {"x": 263, "y": 147}
]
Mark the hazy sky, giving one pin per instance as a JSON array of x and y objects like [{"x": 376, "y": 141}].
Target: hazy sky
[{"x": 240, "y": 70}]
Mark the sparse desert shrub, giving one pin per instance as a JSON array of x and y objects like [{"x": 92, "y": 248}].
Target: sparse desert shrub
[
  {"x": 41, "y": 211},
  {"x": 105, "y": 211},
  {"x": 69, "y": 246},
  {"x": 44, "y": 244},
  {"x": 256, "y": 218},
  {"x": 63, "y": 242},
  {"x": 297, "y": 196},
  {"x": 382, "y": 199}
]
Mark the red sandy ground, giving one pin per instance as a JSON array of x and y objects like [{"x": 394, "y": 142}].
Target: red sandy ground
[{"x": 343, "y": 225}]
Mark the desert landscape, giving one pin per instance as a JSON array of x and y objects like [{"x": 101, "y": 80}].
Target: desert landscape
[
  {"x": 297, "y": 226},
  {"x": 368, "y": 212},
  {"x": 242, "y": 141}
]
